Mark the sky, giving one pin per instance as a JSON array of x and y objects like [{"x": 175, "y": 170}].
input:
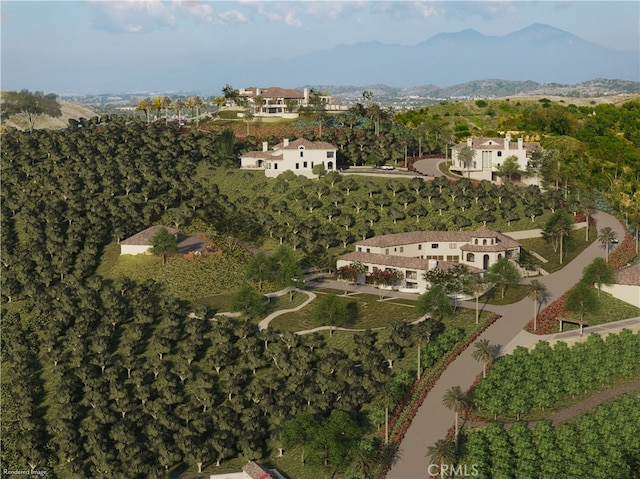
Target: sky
[{"x": 43, "y": 40}]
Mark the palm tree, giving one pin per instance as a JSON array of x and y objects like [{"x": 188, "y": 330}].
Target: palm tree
[
  {"x": 537, "y": 293},
  {"x": 607, "y": 237},
  {"x": 456, "y": 400},
  {"x": 466, "y": 155},
  {"x": 476, "y": 284},
  {"x": 145, "y": 105},
  {"x": 389, "y": 397},
  {"x": 178, "y": 105},
  {"x": 485, "y": 352},
  {"x": 441, "y": 453}
]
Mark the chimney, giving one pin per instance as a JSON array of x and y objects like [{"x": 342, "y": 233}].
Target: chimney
[
  {"x": 306, "y": 96},
  {"x": 507, "y": 140},
  {"x": 433, "y": 264},
  {"x": 285, "y": 142},
  {"x": 469, "y": 142},
  {"x": 265, "y": 146},
  {"x": 258, "y": 91},
  {"x": 520, "y": 144}
]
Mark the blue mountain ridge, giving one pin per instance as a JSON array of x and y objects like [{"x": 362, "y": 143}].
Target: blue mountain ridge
[{"x": 539, "y": 53}]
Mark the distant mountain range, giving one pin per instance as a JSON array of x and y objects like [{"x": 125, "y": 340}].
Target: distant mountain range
[{"x": 538, "y": 53}]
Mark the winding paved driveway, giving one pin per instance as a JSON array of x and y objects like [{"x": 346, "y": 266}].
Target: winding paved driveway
[{"x": 433, "y": 420}]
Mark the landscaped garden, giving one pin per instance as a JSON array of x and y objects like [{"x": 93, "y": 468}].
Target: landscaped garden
[{"x": 107, "y": 374}]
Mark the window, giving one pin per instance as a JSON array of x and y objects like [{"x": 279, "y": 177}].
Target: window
[
  {"x": 386, "y": 251},
  {"x": 476, "y": 241},
  {"x": 395, "y": 250},
  {"x": 304, "y": 164},
  {"x": 419, "y": 247},
  {"x": 470, "y": 257},
  {"x": 434, "y": 245},
  {"x": 329, "y": 154},
  {"x": 402, "y": 249},
  {"x": 484, "y": 241},
  {"x": 368, "y": 250},
  {"x": 301, "y": 153},
  {"x": 411, "y": 274},
  {"x": 360, "y": 248},
  {"x": 275, "y": 166},
  {"x": 312, "y": 164},
  {"x": 453, "y": 259},
  {"x": 499, "y": 153},
  {"x": 297, "y": 166},
  {"x": 452, "y": 246}
]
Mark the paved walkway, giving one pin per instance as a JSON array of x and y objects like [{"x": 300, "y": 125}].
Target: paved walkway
[
  {"x": 433, "y": 420},
  {"x": 264, "y": 324}
]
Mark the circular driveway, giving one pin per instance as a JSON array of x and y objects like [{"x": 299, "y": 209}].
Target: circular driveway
[{"x": 429, "y": 166}]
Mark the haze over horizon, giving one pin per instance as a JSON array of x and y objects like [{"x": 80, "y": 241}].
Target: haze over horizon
[{"x": 126, "y": 46}]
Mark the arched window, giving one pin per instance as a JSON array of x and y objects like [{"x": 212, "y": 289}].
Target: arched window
[
  {"x": 471, "y": 257},
  {"x": 484, "y": 241},
  {"x": 329, "y": 165}
]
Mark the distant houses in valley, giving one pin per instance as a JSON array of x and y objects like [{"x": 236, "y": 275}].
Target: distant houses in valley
[
  {"x": 299, "y": 156},
  {"x": 490, "y": 154},
  {"x": 415, "y": 253}
]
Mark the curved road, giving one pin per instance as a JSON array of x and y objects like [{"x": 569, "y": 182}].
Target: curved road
[{"x": 433, "y": 420}]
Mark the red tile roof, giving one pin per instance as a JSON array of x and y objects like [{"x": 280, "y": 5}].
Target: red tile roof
[
  {"x": 629, "y": 275},
  {"x": 309, "y": 145},
  {"x": 256, "y": 471},
  {"x": 274, "y": 92},
  {"x": 497, "y": 144},
  {"x": 414, "y": 237},
  {"x": 394, "y": 261},
  {"x": 143, "y": 237}
]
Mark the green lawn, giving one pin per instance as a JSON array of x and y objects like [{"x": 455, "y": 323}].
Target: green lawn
[
  {"x": 610, "y": 309},
  {"x": 576, "y": 245},
  {"x": 513, "y": 294},
  {"x": 371, "y": 314},
  {"x": 199, "y": 280}
]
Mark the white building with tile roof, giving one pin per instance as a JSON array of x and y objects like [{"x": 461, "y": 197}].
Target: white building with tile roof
[
  {"x": 139, "y": 243},
  {"x": 491, "y": 153},
  {"x": 414, "y": 253},
  {"x": 298, "y": 156}
]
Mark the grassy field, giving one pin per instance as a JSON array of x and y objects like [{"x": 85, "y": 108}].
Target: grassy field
[
  {"x": 609, "y": 309},
  {"x": 576, "y": 245},
  {"x": 190, "y": 279}
]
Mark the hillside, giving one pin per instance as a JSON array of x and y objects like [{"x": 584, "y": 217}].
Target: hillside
[{"x": 69, "y": 110}]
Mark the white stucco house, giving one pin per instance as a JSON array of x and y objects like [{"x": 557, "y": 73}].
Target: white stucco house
[
  {"x": 282, "y": 102},
  {"x": 627, "y": 285},
  {"x": 414, "y": 253},
  {"x": 299, "y": 156},
  {"x": 489, "y": 154},
  {"x": 139, "y": 242}
]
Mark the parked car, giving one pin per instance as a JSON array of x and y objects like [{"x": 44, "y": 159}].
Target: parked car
[{"x": 386, "y": 167}]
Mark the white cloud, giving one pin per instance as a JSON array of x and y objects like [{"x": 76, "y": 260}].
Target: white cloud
[{"x": 132, "y": 16}]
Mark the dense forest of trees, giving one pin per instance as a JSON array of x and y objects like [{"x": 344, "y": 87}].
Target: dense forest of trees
[{"x": 95, "y": 368}]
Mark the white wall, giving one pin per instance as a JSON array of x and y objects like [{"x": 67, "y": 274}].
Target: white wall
[
  {"x": 133, "y": 249},
  {"x": 626, "y": 293}
]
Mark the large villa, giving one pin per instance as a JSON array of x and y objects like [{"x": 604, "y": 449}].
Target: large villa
[
  {"x": 298, "y": 156},
  {"x": 489, "y": 154},
  {"x": 415, "y": 253}
]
